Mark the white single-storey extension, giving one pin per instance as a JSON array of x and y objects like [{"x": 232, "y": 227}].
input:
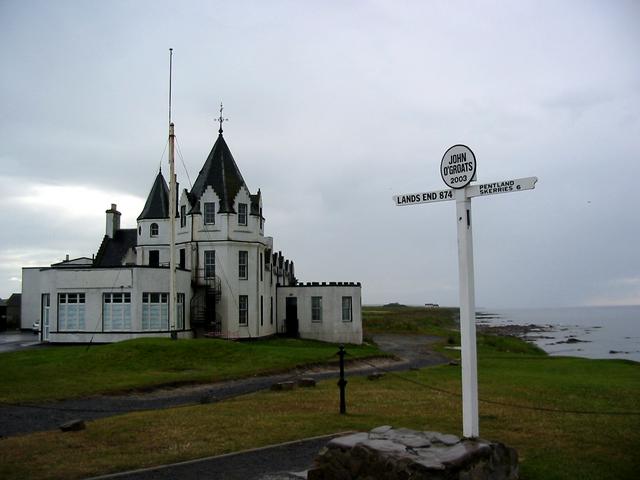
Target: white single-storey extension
[
  {"x": 323, "y": 311},
  {"x": 230, "y": 282}
]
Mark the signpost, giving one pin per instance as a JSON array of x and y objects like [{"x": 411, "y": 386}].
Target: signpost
[
  {"x": 458, "y": 166},
  {"x": 458, "y": 169}
]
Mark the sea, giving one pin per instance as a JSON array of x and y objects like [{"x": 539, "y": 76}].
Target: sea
[{"x": 597, "y": 332}]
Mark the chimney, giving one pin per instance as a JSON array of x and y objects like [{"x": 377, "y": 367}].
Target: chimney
[
  {"x": 113, "y": 221},
  {"x": 66, "y": 258}
]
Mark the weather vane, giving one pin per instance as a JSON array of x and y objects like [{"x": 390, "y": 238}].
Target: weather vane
[{"x": 221, "y": 119}]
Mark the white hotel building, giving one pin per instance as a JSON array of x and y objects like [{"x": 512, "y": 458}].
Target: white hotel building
[{"x": 231, "y": 282}]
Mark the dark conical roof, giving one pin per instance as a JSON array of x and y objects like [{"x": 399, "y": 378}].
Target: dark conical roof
[
  {"x": 221, "y": 172},
  {"x": 157, "y": 205}
]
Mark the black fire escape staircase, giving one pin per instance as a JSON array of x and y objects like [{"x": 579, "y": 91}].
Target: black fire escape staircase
[{"x": 204, "y": 316}]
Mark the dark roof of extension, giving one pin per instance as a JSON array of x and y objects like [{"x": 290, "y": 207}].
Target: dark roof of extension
[
  {"x": 157, "y": 205},
  {"x": 113, "y": 250},
  {"x": 14, "y": 300},
  {"x": 221, "y": 172}
]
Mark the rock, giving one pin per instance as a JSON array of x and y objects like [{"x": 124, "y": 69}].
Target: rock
[
  {"x": 445, "y": 439},
  {"x": 573, "y": 340},
  {"x": 348, "y": 441},
  {"x": 307, "y": 382},
  {"x": 283, "y": 386},
  {"x": 375, "y": 376},
  {"x": 388, "y": 453},
  {"x": 73, "y": 426},
  {"x": 380, "y": 430}
]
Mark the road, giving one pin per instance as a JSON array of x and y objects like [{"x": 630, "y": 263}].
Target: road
[{"x": 17, "y": 340}]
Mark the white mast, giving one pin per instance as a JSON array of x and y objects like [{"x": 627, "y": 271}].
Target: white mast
[{"x": 172, "y": 216}]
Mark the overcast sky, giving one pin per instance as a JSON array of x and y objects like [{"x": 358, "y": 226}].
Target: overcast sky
[{"x": 334, "y": 107}]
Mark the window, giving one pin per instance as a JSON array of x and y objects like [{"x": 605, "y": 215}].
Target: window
[
  {"x": 181, "y": 262},
  {"x": 261, "y": 312},
  {"x": 155, "y": 311},
  {"x": 243, "y": 259},
  {"x": 139, "y": 229},
  {"x": 260, "y": 266},
  {"x": 243, "y": 309},
  {"x": 71, "y": 311},
  {"x": 154, "y": 258},
  {"x": 209, "y": 213},
  {"x": 154, "y": 229},
  {"x": 261, "y": 220},
  {"x": 183, "y": 216},
  {"x": 116, "y": 311},
  {"x": 346, "y": 309},
  {"x": 316, "y": 309},
  {"x": 209, "y": 263},
  {"x": 271, "y": 311},
  {"x": 242, "y": 214},
  {"x": 180, "y": 312}
]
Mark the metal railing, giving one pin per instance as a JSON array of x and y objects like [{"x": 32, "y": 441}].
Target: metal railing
[{"x": 200, "y": 277}]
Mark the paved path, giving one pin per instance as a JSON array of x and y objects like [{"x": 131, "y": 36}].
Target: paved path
[
  {"x": 16, "y": 340},
  {"x": 27, "y": 418},
  {"x": 281, "y": 462}
]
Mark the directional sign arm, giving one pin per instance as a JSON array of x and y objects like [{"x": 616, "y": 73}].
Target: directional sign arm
[
  {"x": 423, "y": 197},
  {"x": 504, "y": 186}
]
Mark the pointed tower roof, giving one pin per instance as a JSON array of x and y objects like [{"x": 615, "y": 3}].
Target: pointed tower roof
[
  {"x": 221, "y": 172},
  {"x": 157, "y": 205}
]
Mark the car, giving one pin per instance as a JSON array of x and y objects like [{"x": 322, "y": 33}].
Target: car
[{"x": 35, "y": 328}]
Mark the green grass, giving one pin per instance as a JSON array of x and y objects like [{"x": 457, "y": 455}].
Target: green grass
[
  {"x": 528, "y": 400},
  {"x": 551, "y": 445},
  {"x": 73, "y": 371},
  {"x": 399, "y": 319},
  {"x": 442, "y": 322}
]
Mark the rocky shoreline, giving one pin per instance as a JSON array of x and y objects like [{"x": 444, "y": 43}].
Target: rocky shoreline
[
  {"x": 520, "y": 331},
  {"x": 531, "y": 333}
]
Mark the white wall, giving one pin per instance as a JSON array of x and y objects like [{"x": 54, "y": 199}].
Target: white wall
[
  {"x": 30, "y": 300},
  {"x": 254, "y": 286},
  {"x": 94, "y": 282},
  {"x": 332, "y": 328}
]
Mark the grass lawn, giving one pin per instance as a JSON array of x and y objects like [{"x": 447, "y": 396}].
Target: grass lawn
[
  {"x": 551, "y": 445},
  {"x": 72, "y": 371},
  {"x": 520, "y": 389},
  {"x": 399, "y": 319}
]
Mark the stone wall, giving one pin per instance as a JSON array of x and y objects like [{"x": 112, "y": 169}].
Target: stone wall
[{"x": 403, "y": 454}]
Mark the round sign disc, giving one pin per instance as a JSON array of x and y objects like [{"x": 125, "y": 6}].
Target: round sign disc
[{"x": 458, "y": 166}]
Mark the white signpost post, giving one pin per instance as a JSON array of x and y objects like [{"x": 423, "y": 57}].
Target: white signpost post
[{"x": 458, "y": 169}]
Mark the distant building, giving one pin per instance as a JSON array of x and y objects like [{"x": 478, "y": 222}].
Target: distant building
[
  {"x": 231, "y": 282},
  {"x": 3, "y": 315},
  {"x": 10, "y": 312}
]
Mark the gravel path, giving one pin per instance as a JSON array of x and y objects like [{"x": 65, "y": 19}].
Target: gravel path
[{"x": 16, "y": 419}]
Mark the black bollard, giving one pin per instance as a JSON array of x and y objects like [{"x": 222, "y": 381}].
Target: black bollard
[{"x": 342, "y": 383}]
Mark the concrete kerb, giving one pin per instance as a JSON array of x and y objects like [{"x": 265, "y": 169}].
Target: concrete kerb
[{"x": 215, "y": 457}]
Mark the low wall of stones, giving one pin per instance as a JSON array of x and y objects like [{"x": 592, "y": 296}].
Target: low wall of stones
[{"x": 403, "y": 454}]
